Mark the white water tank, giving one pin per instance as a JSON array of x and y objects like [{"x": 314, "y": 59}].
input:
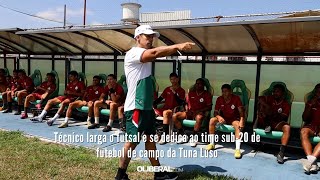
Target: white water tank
[{"x": 130, "y": 12}]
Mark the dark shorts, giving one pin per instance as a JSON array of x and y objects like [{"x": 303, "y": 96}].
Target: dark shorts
[
  {"x": 229, "y": 121},
  {"x": 139, "y": 122},
  {"x": 160, "y": 111}
]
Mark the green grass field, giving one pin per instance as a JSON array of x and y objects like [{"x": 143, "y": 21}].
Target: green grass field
[{"x": 30, "y": 158}]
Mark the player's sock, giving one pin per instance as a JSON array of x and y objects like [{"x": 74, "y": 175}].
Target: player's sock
[
  {"x": 211, "y": 138},
  {"x": 96, "y": 120},
  {"x": 311, "y": 159},
  {"x": 282, "y": 148},
  {"x": 110, "y": 122},
  {"x": 238, "y": 143},
  {"x": 66, "y": 119},
  {"x": 55, "y": 117},
  {"x": 43, "y": 113}
]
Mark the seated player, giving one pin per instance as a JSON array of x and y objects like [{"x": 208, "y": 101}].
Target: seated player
[
  {"x": 41, "y": 93},
  {"x": 228, "y": 110},
  {"x": 74, "y": 90},
  {"x": 27, "y": 87},
  {"x": 92, "y": 94},
  {"x": 174, "y": 96},
  {"x": 116, "y": 95},
  {"x": 3, "y": 81},
  {"x": 273, "y": 114},
  {"x": 199, "y": 104},
  {"x": 11, "y": 89},
  {"x": 311, "y": 117}
]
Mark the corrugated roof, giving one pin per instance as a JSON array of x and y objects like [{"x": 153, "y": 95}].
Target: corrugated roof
[{"x": 277, "y": 36}]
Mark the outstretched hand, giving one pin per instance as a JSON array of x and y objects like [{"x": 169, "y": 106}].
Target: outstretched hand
[{"x": 185, "y": 46}]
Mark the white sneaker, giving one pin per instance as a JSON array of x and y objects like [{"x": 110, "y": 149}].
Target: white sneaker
[
  {"x": 63, "y": 125},
  {"x": 193, "y": 142},
  {"x": 314, "y": 167},
  {"x": 89, "y": 123},
  {"x": 306, "y": 165},
  {"x": 36, "y": 119}
]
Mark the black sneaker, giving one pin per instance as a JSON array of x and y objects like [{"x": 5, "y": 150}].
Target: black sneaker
[
  {"x": 165, "y": 176},
  {"x": 106, "y": 129},
  {"x": 280, "y": 158},
  {"x": 267, "y": 129},
  {"x": 7, "y": 111},
  {"x": 93, "y": 126},
  {"x": 124, "y": 177},
  {"x": 17, "y": 113},
  {"x": 49, "y": 122}
]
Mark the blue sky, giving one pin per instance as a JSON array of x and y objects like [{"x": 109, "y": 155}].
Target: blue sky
[{"x": 109, "y": 11}]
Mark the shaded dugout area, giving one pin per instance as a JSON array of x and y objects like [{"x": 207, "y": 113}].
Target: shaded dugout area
[{"x": 64, "y": 50}]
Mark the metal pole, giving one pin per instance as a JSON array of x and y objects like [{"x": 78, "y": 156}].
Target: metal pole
[
  {"x": 83, "y": 64},
  {"x": 203, "y": 66},
  {"x": 115, "y": 65},
  {"x": 153, "y": 68},
  {"x": 29, "y": 64},
  {"x": 52, "y": 63},
  {"x": 256, "y": 95},
  {"x": 5, "y": 59},
  {"x": 84, "y": 12},
  {"x": 65, "y": 16}
]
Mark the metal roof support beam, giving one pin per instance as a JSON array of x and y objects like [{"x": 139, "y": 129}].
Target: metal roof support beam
[
  {"x": 11, "y": 47},
  {"x": 254, "y": 36},
  {"x": 35, "y": 40},
  {"x": 55, "y": 44},
  {"x": 3, "y": 48},
  {"x": 166, "y": 40},
  {"x": 62, "y": 40},
  {"x": 124, "y": 32},
  {"x": 28, "y": 50},
  {"x": 100, "y": 41},
  {"x": 195, "y": 40}
]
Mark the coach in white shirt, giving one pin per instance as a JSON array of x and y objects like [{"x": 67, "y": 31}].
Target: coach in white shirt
[{"x": 140, "y": 117}]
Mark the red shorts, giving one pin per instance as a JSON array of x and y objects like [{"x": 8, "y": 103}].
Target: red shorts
[
  {"x": 62, "y": 98},
  {"x": 262, "y": 123},
  {"x": 37, "y": 96},
  {"x": 160, "y": 111},
  {"x": 192, "y": 115}
]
